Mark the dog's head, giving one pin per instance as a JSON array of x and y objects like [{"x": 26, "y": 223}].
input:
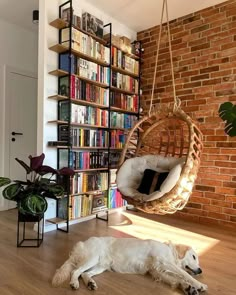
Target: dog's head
[{"x": 188, "y": 259}]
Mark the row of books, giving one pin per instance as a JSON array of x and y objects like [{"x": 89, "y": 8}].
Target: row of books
[
  {"x": 85, "y": 44},
  {"x": 115, "y": 199},
  {"x": 79, "y": 89},
  {"x": 120, "y": 120},
  {"x": 87, "y": 204},
  {"x": 81, "y": 205},
  {"x": 82, "y": 160},
  {"x": 84, "y": 68},
  {"x": 84, "y": 182},
  {"x": 124, "y": 101},
  {"x": 83, "y": 114},
  {"x": 89, "y": 138},
  {"x": 93, "y": 71},
  {"x": 121, "y": 60},
  {"x": 118, "y": 139},
  {"x": 124, "y": 82},
  {"x": 84, "y": 205}
]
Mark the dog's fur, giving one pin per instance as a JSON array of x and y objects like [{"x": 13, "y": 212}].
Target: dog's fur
[{"x": 170, "y": 263}]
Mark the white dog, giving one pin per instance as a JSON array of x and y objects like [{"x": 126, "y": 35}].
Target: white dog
[{"x": 170, "y": 263}]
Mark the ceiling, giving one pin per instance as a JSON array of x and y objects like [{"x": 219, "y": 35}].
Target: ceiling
[
  {"x": 141, "y": 14},
  {"x": 136, "y": 14},
  {"x": 19, "y": 12}
]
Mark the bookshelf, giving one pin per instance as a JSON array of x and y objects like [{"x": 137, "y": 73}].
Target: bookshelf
[{"x": 98, "y": 102}]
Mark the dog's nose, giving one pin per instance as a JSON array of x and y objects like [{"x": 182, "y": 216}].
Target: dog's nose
[{"x": 199, "y": 270}]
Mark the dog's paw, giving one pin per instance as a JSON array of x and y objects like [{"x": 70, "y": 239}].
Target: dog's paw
[
  {"x": 74, "y": 285},
  {"x": 92, "y": 285},
  {"x": 202, "y": 288},
  {"x": 191, "y": 290}
]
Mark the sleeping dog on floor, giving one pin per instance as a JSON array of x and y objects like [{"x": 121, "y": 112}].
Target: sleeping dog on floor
[{"x": 173, "y": 264}]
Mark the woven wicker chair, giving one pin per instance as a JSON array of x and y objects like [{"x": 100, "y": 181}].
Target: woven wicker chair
[{"x": 173, "y": 134}]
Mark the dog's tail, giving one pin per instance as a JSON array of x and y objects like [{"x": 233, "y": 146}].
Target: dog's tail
[{"x": 62, "y": 274}]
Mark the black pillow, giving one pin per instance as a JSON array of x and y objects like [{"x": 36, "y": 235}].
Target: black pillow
[{"x": 151, "y": 181}]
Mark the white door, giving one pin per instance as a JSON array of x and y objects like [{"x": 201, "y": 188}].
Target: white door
[{"x": 21, "y": 122}]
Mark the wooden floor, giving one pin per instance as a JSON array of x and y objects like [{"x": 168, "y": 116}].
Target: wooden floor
[{"x": 28, "y": 271}]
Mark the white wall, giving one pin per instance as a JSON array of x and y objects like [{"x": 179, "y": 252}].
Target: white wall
[
  {"x": 19, "y": 49},
  {"x": 47, "y": 110}
]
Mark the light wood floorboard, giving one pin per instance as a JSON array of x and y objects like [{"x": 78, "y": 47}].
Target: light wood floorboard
[{"x": 28, "y": 271}]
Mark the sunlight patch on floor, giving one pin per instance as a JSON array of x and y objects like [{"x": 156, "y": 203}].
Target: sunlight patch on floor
[{"x": 144, "y": 228}]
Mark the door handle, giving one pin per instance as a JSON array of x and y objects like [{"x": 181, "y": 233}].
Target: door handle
[{"x": 16, "y": 133}]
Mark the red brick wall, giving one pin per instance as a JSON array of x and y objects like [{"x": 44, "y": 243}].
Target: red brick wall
[{"x": 204, "y": 54}]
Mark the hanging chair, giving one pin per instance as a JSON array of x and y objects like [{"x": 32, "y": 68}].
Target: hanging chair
[{"x": 165, "y": 132}]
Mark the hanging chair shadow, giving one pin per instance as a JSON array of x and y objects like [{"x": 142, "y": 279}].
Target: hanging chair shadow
[{"x": 175, "y": 135}]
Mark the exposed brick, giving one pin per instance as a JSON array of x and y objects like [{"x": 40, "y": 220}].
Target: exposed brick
[
  {"x": 204, "y": 60},
  {"x": 205, "y": 188},
  {"x": 209, "y": 69},
  {"x": 200, "y": 47},
  {"x": 214, "y": 196},
  {"x": 200, "y": 28}
]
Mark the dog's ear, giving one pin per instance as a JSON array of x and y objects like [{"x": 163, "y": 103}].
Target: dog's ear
[{"x": 181, "y": 250}]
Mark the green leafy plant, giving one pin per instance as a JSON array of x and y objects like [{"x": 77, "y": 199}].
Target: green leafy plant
[
  {"x": 30, "y": 194},
  {"x": 227, "y": 112}
]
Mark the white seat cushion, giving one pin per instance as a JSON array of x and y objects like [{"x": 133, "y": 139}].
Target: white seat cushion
[{"x": 131, "y": 173}]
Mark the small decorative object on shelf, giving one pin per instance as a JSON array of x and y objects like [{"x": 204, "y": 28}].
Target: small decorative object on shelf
[{"x": 30, "y": 194}]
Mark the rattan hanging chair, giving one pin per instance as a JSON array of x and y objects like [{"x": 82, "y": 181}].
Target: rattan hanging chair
[
  {"x": 170, "y": 135},
  {"x": 167, "y": 131}
]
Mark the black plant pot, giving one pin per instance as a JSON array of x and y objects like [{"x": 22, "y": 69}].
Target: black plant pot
[{"x": 29, "y": 218}]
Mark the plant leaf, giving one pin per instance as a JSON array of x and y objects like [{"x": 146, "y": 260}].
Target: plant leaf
[
  {"x": 12, "y": 191},
  {"x": 36, "y": 162},
  {"x": 67, "y": 171},
  {"x": 46, "y": 169},
  {"x": 56, "y": 190},
  {"x": 227, "y": 112},
  {"x": 33, "y": 204},
  {"x": 4, "y": 181},
  {"x": 24, "y": 165}
]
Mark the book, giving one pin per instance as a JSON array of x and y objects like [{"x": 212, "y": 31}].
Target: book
[
  {"x": 64, "y": 111},
  {"x": 63, "y": 133},
  {"x": 66, "y": 16},
  {"x": 68, "y": 63},
  {"x": 63, "y": 208},
  {"x": 98, "y": 202},
  {"x": 92, "y": 24}
]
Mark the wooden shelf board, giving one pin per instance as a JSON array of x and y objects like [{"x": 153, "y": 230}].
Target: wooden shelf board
[
  {"x": 58, "y": 73},
  {"x": 89, "y": 148},
  {"x": 61, "y": 73},
  {"x": 119, "y": 128},
  {"x": 56, "y": 220},
  {"x": 118, "y": 149},
  {"x": 115, "y": 89},
  {"x": 125, "y": 72},
  {"x": 123, "y": 111},
  {"x": 58, "y": 122},
  {"x": 88, "y": 103},
  {"x": 96, "y": 192},
  {"x": 60, "y": 48},
  {"x": 100, "y": 84},
  {"x": 59, "y": 23},
  {"x": 58, "y": 97},
  {"x": 88, "y": 126},
  {"x": 92, "y": 169}
]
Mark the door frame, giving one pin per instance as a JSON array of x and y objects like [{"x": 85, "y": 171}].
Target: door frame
[{"x": 6, "y": 106}]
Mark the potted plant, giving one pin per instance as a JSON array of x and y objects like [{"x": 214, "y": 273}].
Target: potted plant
[
  {"x": 227, "y": 112},
  {"x": 30, "y": 194}
]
